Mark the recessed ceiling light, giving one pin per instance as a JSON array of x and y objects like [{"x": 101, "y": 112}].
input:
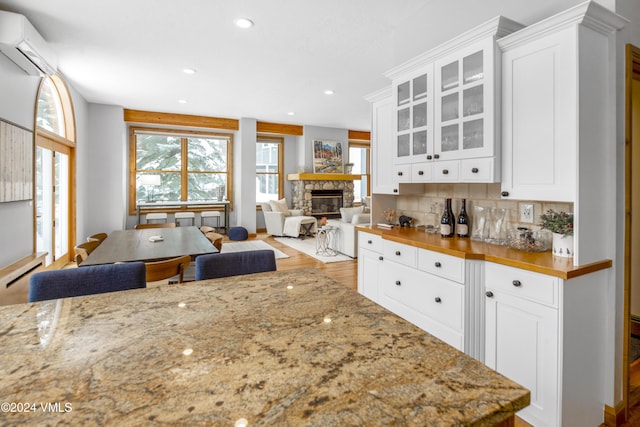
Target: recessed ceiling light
[
  {"x": 291, "y": 113},
  {"x": 189, "y": 71},
  {"x": 182, "y": 101},
  {"x": 244, "y": 23},
  {"x": 329, "y": 92}
]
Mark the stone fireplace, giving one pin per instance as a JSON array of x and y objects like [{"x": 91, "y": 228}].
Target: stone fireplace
[{"x": 302, "y": 186}]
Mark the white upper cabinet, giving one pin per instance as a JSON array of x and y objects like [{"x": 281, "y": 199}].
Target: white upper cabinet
[
  {"x": 556, "y": 103},
  {"x": 413, "y": 121},
  {"x": 382, "y": 135},
  {"x": 466, "y": 107},
  {"x": 539, "y": 109},
  {"x": 446, "y": 104}
]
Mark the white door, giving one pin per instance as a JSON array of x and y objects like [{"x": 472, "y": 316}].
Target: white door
[
  {"x": 52, "y": 204},
  {"x": 521, "y": 342}
]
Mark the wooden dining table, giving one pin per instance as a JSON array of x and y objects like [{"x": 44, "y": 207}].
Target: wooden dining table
[{"x": 149, "y": 244}]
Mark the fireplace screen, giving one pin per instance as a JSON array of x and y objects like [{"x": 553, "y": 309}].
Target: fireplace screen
[{"x": 326, "y": 203}]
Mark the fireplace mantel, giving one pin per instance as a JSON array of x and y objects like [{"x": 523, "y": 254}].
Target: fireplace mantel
[{"x": 323, "y": 177}]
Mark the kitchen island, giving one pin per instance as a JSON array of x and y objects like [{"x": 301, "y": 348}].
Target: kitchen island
[{"x": 281, "y": 348}]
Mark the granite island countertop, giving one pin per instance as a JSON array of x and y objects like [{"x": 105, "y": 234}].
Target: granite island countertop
[{"x": 282, "y": 348}]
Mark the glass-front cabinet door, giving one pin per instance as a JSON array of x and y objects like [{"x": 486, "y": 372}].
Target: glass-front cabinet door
[
  {"x": 464, "y": 104},
  {"x": 413, "y": 122}
]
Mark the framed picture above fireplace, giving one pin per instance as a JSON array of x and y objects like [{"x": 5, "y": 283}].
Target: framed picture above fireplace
[{"x": 327, "y": 157}]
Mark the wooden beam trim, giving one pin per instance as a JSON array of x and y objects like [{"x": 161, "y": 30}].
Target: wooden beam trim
[
  {"x": 359, "y": 135},
  {"x": 137, "y": 116},
  {"x": 279, "y": 128}
]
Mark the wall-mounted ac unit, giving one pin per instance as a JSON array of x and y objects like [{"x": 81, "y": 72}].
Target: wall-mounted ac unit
[{"x": 20, "y": 41}]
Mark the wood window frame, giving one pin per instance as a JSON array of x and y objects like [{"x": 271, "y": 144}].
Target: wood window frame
[
  {"x": 280, "y": 141},
  {"x": 64, "y": 144},
  {"x": 362, "y": 143},
  {"x": 184, "y": 135}
]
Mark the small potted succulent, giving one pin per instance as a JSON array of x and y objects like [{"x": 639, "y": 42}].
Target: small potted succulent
[{"x": 561, "y": 225}]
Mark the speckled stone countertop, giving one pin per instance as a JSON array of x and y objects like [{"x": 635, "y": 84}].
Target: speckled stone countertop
[{"x": 283, "y": 348}]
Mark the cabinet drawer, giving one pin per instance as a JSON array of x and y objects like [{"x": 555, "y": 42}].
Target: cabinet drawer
[
  {"x": 525, "y": 284},
  {"x": 477, "y": 170},
  {"x": 403, "y": 254},
  {"x": 422, "y": 298},
  {"x": 402, "y": 173},
  {"x": 442, "y": 265},
  {"x": 421, "y": 172},
  {"x": 446, "y": 171},
  {"x": 373, "y": 242}
]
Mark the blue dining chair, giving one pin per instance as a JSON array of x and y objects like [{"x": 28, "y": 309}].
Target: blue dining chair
[
  {"x": 213, "y": 266},
  {"x": 72, "y": 282}
]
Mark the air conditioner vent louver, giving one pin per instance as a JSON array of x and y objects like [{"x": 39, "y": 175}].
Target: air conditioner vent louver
[{"x": 21, "y": 43}]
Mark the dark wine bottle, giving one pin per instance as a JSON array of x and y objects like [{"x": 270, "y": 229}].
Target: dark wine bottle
[
  {"x": 463, "y": 221},
  {"x": 448, "y": 220}
]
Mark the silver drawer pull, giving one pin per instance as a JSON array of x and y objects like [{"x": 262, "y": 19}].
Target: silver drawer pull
[
  {"x": 438, "y": 265},
  {"x": 398, "y": 253},
  {"x": 438, "y": 300},
  {"x": 398, "y": 283},
  {"x": 517, "y": 283}
]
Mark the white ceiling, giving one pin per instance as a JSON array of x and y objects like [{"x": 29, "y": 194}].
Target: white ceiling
[{"x": 132, "y": 52}]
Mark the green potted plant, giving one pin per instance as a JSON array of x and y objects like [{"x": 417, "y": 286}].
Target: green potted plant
[{"x": 561, "y": 225}]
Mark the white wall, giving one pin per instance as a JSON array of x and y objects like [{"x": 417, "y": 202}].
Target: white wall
[
  {"x": 244, "y": 171},
  {"x": 18, "y": 93},
  {"x": 312, "y": 133},
  {"x": 102, "y": 164}
]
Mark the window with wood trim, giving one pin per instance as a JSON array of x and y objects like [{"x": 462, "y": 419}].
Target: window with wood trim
[
  {"x": 54, "y": 172},
  {"x": 359, "y": 156},
  {"x": 269, "y": 168},
  {"x": 172, "y": 165}
]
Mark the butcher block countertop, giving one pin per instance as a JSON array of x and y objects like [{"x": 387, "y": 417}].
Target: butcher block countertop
[
  {"x": 283, "y": 348},
  {"x": 540, "y": 262}
]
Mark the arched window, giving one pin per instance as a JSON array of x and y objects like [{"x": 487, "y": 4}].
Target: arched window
[{"x": 55, "y": 142}]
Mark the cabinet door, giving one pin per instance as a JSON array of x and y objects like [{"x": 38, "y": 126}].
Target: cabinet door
[
  {"x": 521, "y": 342},
  {"x": 413, "y": 119},
  {"x": 382, "y": 147},
  {"x": 539, "y": 106},
  {"x": 368, "y": 270},
  {"x": 465, "y": 103}
]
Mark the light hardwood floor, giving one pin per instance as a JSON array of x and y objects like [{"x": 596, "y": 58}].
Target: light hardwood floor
[{"x": 345, "y": 272}]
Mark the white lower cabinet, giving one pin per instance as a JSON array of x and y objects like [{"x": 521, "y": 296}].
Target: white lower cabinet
[
  {"x": 544, "y": 332},
  {"x": 369, "y": 264},
  {"x": 431, "y": 303},
  {"x": 415, "y": 289},
  {"x": 521, "y": 336},
  {"x": 548, "y": 335}
]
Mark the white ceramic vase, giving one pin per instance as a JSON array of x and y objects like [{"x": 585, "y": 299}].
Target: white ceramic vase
[{"x": 562, "y": 245}]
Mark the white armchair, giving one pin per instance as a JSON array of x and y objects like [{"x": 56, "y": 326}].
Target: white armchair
[
  {"x": 346, "y": 238},
  {"x": 282, "y": 221}
]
